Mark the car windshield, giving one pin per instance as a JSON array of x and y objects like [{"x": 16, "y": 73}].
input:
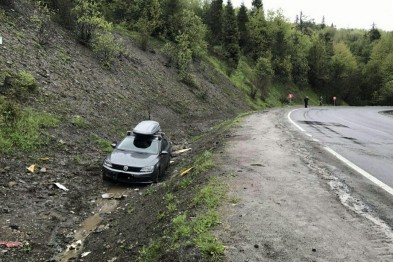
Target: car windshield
[{"x": 140, "y": 144}]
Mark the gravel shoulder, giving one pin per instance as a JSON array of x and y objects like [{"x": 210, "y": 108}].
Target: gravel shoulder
[{"x": 293, "y": 202}]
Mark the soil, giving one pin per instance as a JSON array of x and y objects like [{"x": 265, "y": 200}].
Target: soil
[
  {"x": 290, "y": 203},
  {"x": 38, "y": 213}
]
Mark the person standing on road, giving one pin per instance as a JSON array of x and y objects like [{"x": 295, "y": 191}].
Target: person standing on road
[
  {"x": 320, "y": 100},
  {"x": 306, "y": 101}
]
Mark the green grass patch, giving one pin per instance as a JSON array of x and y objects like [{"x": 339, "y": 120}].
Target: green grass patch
[
  {"x": 104, "y": 144},
  {"x": 27, "y": 132},
  {"x": 79, "y": 121}
]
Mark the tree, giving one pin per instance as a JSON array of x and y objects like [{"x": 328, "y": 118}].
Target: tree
[
  {"x": 242, "y": 20},
  {"x": 231, "y": 35},
  {"x": 88, "y": 19},
  {"x": 149, "y": 21},
  {"x": 280, "y": 45},
  {"x": 263, "y": 76},
  {"x": 257, "y": 4},
  {"x": 298, "y": 53},
  {"x": 259, "y": 35},
  {"x": 215, "y": 22},
  {"x": 171, "y": 17},
  {"x": 318, "y": 61},
  {"x": 344, "y": 73}
]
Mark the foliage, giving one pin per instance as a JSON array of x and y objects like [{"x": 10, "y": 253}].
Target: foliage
[
  {"x": 18, "y": 85},
  {"x": 215, "y": 22},
  {"x": 263, "y": 76},
  {"x": 42, "y": 21},
  {"x": 106, "y": 47},
  {"x": 242, "y": 21},
  {"x": 149, "y": 21},
  {"x": 88, "y": 19},
  {"x": 230, "y": 36},
  {"x": 23, "y": 129}
]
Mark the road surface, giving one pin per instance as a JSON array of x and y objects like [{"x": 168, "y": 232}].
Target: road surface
[
  {"x": 363, "y": 135},
  {"x": 294, "y": 201}
]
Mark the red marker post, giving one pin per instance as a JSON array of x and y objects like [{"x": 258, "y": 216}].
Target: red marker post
[
  {"x": 290, "y": 96},
  {"x": 334, "y": 100}
]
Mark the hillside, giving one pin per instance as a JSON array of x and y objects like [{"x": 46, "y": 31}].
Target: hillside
[{"x": 92, "y": 106}]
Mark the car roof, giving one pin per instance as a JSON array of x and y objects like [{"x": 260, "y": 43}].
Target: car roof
[{"x": 147, "y": 127}]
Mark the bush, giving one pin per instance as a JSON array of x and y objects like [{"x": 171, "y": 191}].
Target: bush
[{"x": 17, "y": 86}]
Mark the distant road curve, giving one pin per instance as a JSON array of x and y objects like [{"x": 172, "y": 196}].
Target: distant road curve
[{"x": 361, "y": 135}]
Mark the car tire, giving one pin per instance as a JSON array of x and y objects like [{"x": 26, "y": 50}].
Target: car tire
[
  {"x": 156, "y": 179},
  {"x": 105, "y": 178}
]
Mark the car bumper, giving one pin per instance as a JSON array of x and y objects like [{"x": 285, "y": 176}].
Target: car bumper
[{"x": 128, "y": 177}]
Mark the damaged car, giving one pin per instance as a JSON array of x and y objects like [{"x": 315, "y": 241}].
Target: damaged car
[{"x": 141, "y": 157}]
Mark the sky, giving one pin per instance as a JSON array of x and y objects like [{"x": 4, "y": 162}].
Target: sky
[{"x": 342, "y": 13}]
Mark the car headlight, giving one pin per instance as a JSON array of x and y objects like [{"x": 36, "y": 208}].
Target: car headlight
[
  {"x": 147, "y": 169},
  {"x": 107, "y": 162}
]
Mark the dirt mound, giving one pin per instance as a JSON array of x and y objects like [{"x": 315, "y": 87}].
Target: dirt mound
[{"x": 34, "y": 209}]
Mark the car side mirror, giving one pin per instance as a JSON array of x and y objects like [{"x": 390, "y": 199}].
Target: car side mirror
[{"x": 114, "y": 144}]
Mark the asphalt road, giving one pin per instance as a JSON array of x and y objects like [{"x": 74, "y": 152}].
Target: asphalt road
[
  {"x": 294, "y": 200},
  {"x": 363, "y": 135}
]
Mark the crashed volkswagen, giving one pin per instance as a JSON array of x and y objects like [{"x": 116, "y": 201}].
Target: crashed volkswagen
[{"x": 141, "y": 157}]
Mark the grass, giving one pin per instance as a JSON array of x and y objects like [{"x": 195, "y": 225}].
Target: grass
[
  {"x": 28, "y": 133},
  {"x": 79, "y": 121},
  {"x": 104, "y": 144},
  {"x": 186, "y": 230}
]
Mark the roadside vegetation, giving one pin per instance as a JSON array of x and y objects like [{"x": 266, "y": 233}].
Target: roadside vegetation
[{"x": 261, "y": 53}]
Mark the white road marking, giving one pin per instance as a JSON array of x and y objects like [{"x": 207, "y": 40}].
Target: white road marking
[
  {"x": 360, "y": 171},
  {"x": 293, "y": 122},
  {"x": 347, "y": 162}
]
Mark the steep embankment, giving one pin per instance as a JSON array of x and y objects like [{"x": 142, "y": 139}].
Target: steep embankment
[{"x": 94, "y": 106}]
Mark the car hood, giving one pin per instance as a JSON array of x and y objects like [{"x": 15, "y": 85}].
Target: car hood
[{"x": 128, "y": 158}]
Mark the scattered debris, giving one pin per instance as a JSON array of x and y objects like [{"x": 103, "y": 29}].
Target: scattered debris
[
  {"x": 181, "y": 151},
  {"x": 11, "y": 244},
  {"x": 85, "y": 254},
  {"x": 44, "y": 158},
  {"x": 185, "y": 172},
  {"x": 31, "y": 168},
  {"x": 75, "y": 245},
  {"x": 61, "y": 186},
  {"x": 43, "y": 170},
  {"x": 112, "y": 195}
]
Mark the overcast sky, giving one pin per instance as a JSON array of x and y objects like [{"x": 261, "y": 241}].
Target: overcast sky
[{"x": 342, "y": 13}]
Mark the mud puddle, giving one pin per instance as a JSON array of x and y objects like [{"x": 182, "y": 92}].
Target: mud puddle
[{"x": 106, "y": 203}]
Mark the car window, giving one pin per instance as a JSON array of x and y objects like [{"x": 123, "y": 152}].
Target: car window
[{"x": 143, "y": 144}]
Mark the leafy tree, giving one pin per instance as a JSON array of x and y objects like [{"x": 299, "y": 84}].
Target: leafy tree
[
  {"x": 298, "y": 53},
  {"x": 184, "y": 58},
  {"x": 344, "y": 73},
  {"x": 194, "y": 28},
  {"x": 242, "y": 20},
  {"x": 149, "y": 21},
  {"x": 259, "y": 35},
  {"x": 379, "y": 71},
  {"x": 171, "y": 17},
  {"x": 280, "y": 46},
  {"x": 88, "y": 19},
  {"x": 263, "y": 76},
  {"x": 42, "y": 21},
  {"x": 231, "y": 35},
  {"x": 318, "y": 61},
  {"x": 215, "y": 22}
]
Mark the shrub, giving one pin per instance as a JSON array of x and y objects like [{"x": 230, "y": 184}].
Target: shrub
[{"x": 17, "y": 86}]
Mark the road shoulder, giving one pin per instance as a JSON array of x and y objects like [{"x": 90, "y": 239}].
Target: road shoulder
[{"x": 288, "y": 207}]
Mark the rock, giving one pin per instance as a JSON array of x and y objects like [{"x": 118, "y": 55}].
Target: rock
[
  {"x": 14, "y": 227},
  {"x": 43, "y": 170},
  {"x": 256, "y": 246},
  {"x": 314, "y": 250},
  {"x": 11, "y": 183}
]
